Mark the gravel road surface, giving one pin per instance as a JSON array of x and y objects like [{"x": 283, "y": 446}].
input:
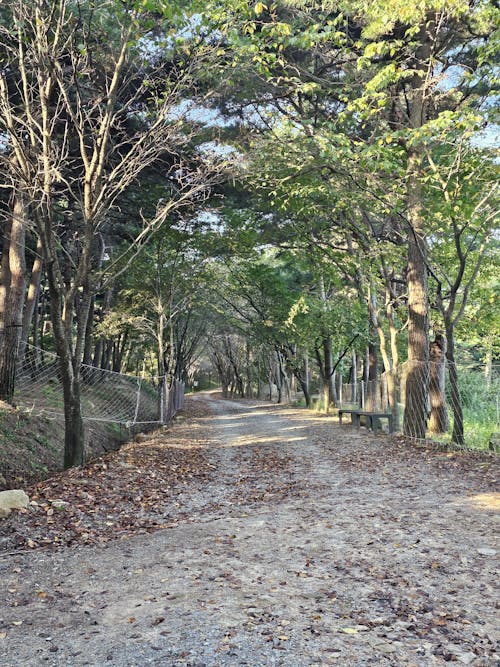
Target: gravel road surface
[{"x": 306, "y": 545}]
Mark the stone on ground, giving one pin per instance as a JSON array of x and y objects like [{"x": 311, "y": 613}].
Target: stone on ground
[{"x": 13, "y": 499}]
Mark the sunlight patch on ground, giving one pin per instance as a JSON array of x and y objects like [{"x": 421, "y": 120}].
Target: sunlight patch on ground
[
  {"x": 485, "y": 501},
  {"x": 236, "y": 417},
  {"x": 246, "y": 441}
]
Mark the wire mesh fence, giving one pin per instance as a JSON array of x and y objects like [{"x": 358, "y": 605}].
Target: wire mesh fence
[
  {"x": 105, "y": 395},
  {"x": 444, "y": 402}
]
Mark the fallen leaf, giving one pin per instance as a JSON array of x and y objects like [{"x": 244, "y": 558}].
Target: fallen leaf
[{"x": 158, "y": 620}]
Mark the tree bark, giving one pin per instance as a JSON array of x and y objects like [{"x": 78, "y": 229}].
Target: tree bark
[
  {"x": 89, "y": 335},
  {"x": 99, "y": 346},
  {"x": 5, "y": 272},
  {"x": 74, "y": 435},
  {"x": 354, "y": 377},
  {"x": 457, "y": 435},
  {"x": 305, "y": 390},
  {"x": 323, "y": 356},
  {"x": 328, "y": 387},
  {"x": 438, "y": 421},
  {"x": 32, "y": 298},
  {"x": 248, "y": 370},
  {"x": 371, "y": 374},
  {"x": 417, "y": 381},
  {"x": 10, "y": 337}
]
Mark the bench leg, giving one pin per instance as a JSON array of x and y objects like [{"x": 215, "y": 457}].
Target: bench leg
[
  {"x": 374, "y": 422},
  {"x": 391, "y": 424},
  {"x": 340, "y": 418},
  {"x": 355, "y": 420}
]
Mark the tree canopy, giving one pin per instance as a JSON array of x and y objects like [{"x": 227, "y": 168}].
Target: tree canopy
[{"x": 299, "y": 195}]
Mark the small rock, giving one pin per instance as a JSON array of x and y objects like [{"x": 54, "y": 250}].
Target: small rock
[
  {"x": 59, "y": 504},
  {"x": 466, "y": 658},
  {"x": 484, "y": 551},
  {"x": 386, "y": 648},
  {"x": 13, "y": 499}
]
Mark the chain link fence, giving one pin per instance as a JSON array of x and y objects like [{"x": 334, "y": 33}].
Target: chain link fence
[
  {"x": 106, "y": 396},
  {"x": 453, "y": 404}
]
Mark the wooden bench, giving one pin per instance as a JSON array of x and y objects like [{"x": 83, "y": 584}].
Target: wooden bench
[{"x": 372, "y": 418}]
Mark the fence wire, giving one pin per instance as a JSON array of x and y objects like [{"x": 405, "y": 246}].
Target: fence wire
[
  {"x": 105, "y": 395},
  {"x": 444, "y": 403}
]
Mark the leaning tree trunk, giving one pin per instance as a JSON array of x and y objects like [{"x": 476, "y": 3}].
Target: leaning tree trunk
[
  {"x": 14, "y": 302},
  {"x": 417, "y": 381},
  {"x": 438, "y": 420},
  {"x": 304, "y": 386}
]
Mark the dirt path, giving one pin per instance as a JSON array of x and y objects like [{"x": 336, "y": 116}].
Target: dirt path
[{"x": 301, "y": 544}]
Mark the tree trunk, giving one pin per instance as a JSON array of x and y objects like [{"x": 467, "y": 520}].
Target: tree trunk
[
  {"x": 284, "y": 382},
  {"x": 106, "y": 355},
  {"x": 328, "y": 389},
  {"x": 74, "y": 435},
  {"x": 270, "y": 382},
  {"x": 32, "y": 299},
  {"x": 417, "y": 381},
  {"x": 334, "y": 383},
  {"x": 14, "y": 302},
  {"x": 279, "y": 379},
  {"x": 305, "y": 390},
  {"x": 99, "y": 347},
  {"x": 488, "y": 362},
  {"x": 306, "y": 373},
  {"x": 457, "y": 435},
  {"x": 248, "y": 370},
  {"x": 438, "y": 421},
  {"x": 5, "y": 274},
  {"x": 323, "y": 356},
  {"x": 371, "y": 374},
  {"x": 354, "y": 377},
  {"x": 89, "y": 335},
  {"x": 392, "y": 392},
  {"x": 392, "y": 376}
]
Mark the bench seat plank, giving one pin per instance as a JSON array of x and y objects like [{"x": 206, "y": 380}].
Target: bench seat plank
[{"x": 373, "y": 418}]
